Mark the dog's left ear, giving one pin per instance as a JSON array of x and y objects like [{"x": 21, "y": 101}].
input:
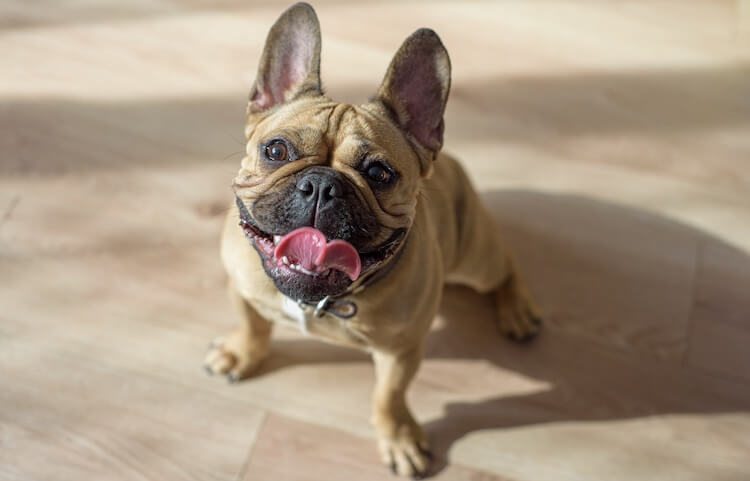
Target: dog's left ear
[
  {"x": 415, "y": 90},
  {"x": 290, "y": 65}
]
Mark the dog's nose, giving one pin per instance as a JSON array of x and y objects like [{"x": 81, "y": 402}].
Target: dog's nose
[{"x": 320, "y": 189}]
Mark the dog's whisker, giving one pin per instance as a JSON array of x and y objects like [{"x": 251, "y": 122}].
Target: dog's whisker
[{"x": 239, "y": 152}]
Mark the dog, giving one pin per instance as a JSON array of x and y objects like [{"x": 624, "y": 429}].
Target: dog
[{"x": 351, "y": 221}]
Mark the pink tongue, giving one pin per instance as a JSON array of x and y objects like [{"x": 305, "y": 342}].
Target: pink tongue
[{"x": 307, "y": 246}]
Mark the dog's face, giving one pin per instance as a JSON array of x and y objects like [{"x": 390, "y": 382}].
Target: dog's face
[{"x": 328, "y": 191}]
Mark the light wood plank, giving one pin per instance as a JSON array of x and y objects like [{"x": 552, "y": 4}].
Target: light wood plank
[
  {"x": 67, "y": 416},
  {"x": 289, "y": 450}
]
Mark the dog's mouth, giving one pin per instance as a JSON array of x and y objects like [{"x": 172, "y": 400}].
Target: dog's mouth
[{"x": 305, "y": 252}]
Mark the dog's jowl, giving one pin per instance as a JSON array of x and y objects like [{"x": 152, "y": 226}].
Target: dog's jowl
[{"x": 351, "y": 220}]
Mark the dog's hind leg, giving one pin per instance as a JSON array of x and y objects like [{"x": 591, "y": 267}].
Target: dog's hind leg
[
  {"x": 493, "y": 271},
  {"x": 518, "y": 316},
  {"x": 238, "y": 354}
]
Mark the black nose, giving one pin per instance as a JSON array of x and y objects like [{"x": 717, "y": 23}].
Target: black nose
[{"x": 320, "y": 189}]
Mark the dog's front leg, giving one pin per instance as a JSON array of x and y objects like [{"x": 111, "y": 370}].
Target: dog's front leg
[
  {"x": 401, "y": 440},
  {"x": 240, "y": 353}
]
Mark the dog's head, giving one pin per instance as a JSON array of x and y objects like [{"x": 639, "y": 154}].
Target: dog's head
[{"x": 329, "y": 190}]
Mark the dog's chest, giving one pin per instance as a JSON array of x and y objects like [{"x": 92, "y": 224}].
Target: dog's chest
[
  {"x": 327, "y": 326},
  {"x": 295, "y": 312}
]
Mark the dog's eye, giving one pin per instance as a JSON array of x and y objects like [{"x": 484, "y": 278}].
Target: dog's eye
[
  {"x": 379, "y": 173},
  {"x": 276, "y": 151}
]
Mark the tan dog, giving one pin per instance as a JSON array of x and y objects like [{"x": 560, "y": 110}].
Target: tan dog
[{"x": 355, "y": 222}]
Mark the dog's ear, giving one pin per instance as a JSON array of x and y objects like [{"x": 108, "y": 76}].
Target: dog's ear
[
  {"x": 415, "y": 90},
  {"x": 290, "y": 65}
]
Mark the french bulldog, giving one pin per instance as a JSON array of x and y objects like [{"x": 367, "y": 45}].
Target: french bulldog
[{"x": 351, "y": 221}]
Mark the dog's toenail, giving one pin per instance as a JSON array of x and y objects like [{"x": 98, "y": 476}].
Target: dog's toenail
[
  {"x": 426, "y": 453},
  {"x": 528, "y": 338},
  {"x": 416, "y": 473}
]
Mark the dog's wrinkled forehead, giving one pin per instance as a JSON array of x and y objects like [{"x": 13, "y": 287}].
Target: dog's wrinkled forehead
[{"x": 327, "y": 127}]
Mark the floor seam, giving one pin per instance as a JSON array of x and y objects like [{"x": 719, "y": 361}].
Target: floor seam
[
  {"x": 10, "y": 208},
  {"x": 246, "y": 464},
  {"x": 699, "y": 253}
]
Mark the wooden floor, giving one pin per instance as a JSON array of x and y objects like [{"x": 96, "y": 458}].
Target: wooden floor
[{"x": 611, "y": 140}]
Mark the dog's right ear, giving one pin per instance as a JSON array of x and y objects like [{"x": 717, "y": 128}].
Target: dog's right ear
[{"x": 290, "y": 65}]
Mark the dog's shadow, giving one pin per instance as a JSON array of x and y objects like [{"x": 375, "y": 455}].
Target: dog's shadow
[{"x": 613, "y": 282}]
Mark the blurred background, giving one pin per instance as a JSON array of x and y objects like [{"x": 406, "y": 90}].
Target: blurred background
[{"x": 611, "y": 139}]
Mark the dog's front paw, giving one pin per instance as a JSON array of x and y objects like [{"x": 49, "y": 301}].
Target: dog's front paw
[
  {"x": 406, "y": 451},
  {"x": 235, "y": 356}
]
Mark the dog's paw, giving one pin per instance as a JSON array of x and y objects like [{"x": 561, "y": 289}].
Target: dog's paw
[
  {"x": 234, "y": 356},
  {"x": 518, "y": 317},
  {"x": 407, "y": 452},
  {"x": 520, "y": 326}
]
